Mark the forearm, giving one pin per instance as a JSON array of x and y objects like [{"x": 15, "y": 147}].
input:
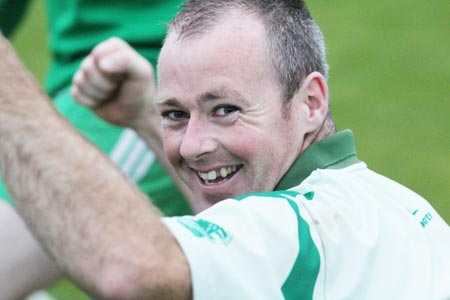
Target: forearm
[{"x": 98, "y": 227}]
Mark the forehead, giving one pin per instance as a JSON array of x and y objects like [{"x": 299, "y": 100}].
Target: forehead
[
  {"x": 229, "y": 27},
  {"x": 234, "y": 48}
]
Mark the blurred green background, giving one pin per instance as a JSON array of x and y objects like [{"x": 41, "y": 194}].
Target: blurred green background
[{"x": 390, "y": 79}]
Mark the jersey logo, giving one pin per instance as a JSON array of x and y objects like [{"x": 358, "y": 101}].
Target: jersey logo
[
  {"x": 205, "y": 229},
  {"x": 423, "y": 219}
]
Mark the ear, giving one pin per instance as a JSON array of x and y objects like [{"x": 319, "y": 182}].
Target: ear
[{"x": 314, "y": 90}]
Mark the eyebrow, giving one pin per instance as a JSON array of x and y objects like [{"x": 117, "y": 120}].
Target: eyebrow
[
  {"x": 206, "y": 97},
  {"x": 168, "y": 102}
]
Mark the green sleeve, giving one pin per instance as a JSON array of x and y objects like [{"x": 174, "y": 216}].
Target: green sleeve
[{"x": 11, "y": 13}]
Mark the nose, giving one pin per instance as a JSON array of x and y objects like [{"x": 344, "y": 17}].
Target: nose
[{"x": 197, "y": 140}]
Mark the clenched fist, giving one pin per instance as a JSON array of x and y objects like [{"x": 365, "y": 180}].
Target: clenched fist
[{"x": 118, "y": 84}]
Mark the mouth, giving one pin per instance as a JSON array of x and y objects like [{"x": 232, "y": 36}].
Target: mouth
[{"x": 218, "y": 175}]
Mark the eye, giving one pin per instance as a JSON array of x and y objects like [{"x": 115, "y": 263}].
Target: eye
[
  {"x": 174, "y": 115},
  {"x": 225, "y": 110},
  {"x": 174, "y": 118}
]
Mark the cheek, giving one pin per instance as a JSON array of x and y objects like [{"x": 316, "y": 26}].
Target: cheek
[
  {"x": 242, "y": 142},
  {"x": 255, "y": 148}
]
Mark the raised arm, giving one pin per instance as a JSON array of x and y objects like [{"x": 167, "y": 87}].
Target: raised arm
[
  {"x": 118, "y": 84},
  {"x": 99, "y": 228}
]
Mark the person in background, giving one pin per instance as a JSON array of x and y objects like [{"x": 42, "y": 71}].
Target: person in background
[
  {"x": 74, "y": 28},
  {"x": 286, "y": 210}
]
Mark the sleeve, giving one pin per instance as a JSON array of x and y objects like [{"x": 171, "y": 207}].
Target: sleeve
[
  {"x": 254, "y": 248},
  {"x": 11, "y": 13}
]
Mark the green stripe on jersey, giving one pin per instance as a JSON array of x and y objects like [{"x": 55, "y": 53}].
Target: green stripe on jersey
[
  {"x": 275, "y": 194},
  {"x": 302, "y": 279}
]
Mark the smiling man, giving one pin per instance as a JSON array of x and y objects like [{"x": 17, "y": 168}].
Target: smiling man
[
  {"x": 226, "y": 129},
  {"x": 243, "y": 98}
]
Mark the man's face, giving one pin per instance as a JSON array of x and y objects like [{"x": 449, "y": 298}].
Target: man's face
[{"x": 224, "y": 130}]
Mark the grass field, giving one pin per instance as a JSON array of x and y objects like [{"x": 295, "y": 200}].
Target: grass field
[{"x": 390, "y": 75}]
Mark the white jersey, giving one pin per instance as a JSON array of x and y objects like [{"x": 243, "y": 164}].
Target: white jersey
[{"x": 345, "y": 232}]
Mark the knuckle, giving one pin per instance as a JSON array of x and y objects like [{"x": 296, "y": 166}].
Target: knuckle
[{"x": 78, "y": 78}]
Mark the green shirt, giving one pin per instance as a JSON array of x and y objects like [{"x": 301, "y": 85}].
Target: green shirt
[{"x": 75, "y": 27}]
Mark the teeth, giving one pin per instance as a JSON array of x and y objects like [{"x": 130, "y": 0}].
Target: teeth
[
  {"x": 212, "y": 175},
  {"x": 222, "y": 172}
]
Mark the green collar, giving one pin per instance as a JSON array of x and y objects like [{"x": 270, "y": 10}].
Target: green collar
[{"x": 334, "y": 152}]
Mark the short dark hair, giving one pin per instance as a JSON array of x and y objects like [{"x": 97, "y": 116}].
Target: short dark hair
[{"x": 295, "y": 42}]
